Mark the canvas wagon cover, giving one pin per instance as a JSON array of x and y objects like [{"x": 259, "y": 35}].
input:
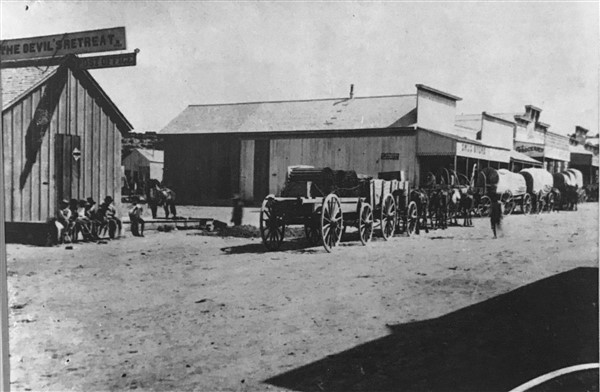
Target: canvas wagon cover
[
  {"x": 509, "y": 181},
  {"x": 576, "y": 177},
  {"x": 538, "y": 180}
]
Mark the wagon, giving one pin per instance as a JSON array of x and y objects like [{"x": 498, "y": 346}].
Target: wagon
[
  {"x": 539, "y": 184},
  {"x": 325, "y": 202},
  {"x": 569, "y": 184},
  {"x": 510, "y": 187}
]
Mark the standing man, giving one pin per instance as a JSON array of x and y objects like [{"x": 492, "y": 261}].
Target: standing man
[
  {"x": 495, "y": 213},
  {"x": 135, "y": 217}
]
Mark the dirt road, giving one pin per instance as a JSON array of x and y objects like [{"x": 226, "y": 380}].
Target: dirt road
[{"x": 183, "y": 311}]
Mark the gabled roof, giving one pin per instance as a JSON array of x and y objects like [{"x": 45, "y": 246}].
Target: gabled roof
[
  {"x": 16, "y": 82},
  {"x": 19, "y": 82},
  {"x": 152, "y": 155},
  {"x": 303, "y": 115}
]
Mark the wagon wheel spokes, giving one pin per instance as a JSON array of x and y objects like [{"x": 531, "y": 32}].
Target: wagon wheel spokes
[
  {"x": 485, "y": 206},
  {"x": 539, "y": 203},
  {"x": 509, "y": 203},
  {"x": 526, "y": 204},
  {"x": 331, "y": 222},
  {"x": 365, "y": 223},
  {"x": 550, "y": 203},
  {"x": 272, "y": 226},
  {"x": 388, "y": 216},
  {"x": 413, "y": 218},
  {"x": 312, "y": 228}
]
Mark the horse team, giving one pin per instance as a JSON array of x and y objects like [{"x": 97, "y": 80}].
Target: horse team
[{"x": 448, "y": 196}]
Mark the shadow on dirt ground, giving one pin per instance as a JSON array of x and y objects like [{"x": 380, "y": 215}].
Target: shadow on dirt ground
[
  {"x": 494, "y": 345},
  {"x": 294, "y": 245}
]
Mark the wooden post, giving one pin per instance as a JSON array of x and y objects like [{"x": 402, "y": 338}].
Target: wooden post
[{"x": 4, "y": 361}]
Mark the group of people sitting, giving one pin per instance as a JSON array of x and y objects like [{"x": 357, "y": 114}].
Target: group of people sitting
[{"x": 87, "y": 219}]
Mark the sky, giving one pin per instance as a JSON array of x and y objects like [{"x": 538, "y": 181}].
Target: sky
[{"x": 497, "y": 56}]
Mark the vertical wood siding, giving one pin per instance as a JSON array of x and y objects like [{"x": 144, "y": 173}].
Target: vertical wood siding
[
  {"x": 30, "y": 185},
  {"x": 359, "y": 153},
  {"x": 247, "y": 169}
]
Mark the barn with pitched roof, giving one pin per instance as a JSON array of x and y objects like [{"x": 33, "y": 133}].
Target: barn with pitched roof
[
  {"x": 62, "y": 140},
  {"x": 214, "y": 151}
]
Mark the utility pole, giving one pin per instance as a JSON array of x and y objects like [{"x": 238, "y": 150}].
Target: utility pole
[{"x": 4, "y": 357}]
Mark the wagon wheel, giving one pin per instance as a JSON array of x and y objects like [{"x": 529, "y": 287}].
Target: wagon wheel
[
  {"x": 312, "y": 228},
  {"x": 509, "y": 203},
  {"x": 485, "y": 206},
  {"x": 550, "y": 202},
  {"x": 388, "y": 216},
  {"x": 526, "y": 204},
  {"x": 412, "y": 218},
  {"x": 331, "y": 222},
  {"x": 365, "y": 223},
  {"x": 272, "y": 226},
  {"x": 540, "y": 204}
]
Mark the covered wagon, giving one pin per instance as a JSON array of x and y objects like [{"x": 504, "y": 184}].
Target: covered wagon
[
  {"x": 539, "y": 186},
  {"x": 569, "y": 185},
  {"x": 510, "y": 187}
]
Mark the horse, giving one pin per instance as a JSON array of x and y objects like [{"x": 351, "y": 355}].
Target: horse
[
  {"x": 571, "y": 198},
  {"x": 467, "y": 203},
  {"x": 158, "y": 195},
  {"x": 422, "y": 201},
  {"x": 454, "y": 204},
  {"x": 554, "y": 198},
  {"x": 438, "y": 208}
]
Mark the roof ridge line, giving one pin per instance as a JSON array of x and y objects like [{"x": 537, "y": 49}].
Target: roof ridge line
[{"x": 303, "y": 100}]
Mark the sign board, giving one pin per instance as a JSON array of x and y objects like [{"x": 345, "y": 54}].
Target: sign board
[
  {"x": 482, "y": 152},
  {"x": 76, "y": 154},
  {"x": 390, "y": 156},
  {"x": 92, "y": 41},
  {"x": 108, "y": 61},
  {"x": 533, "y": 150}
]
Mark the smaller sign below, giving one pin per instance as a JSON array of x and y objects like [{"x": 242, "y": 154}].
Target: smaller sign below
[
  {"x": 76, "y": 154},
  {"x": 390, "y": 156},
  {"x": 108, "y": 61}
]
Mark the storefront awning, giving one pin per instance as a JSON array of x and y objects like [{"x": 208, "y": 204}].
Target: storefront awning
[
  {"x": 516, "y": 156},
  {"x": 434, "y": 143}
]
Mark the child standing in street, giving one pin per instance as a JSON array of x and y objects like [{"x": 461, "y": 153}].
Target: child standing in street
[{"x": 238, "y": 210}]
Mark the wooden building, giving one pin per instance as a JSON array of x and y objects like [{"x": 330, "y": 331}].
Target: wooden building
[
  {"x": 584, "y": 155},
  {"x": 141, "y": 165},
  {"x": 214, "y": 151},
  {"x": 532, "y": 138},
  {"x": 62, "y": 140},
  {"x": 492, "y": 130}
]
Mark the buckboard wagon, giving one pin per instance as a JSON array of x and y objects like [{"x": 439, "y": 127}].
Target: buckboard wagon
[{"x": 325, "y": 202}]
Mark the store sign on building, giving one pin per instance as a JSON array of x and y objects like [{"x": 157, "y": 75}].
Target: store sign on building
[
  {"x": 482, "y": 152},
  {"x": 533, "y": 150},
  {"x": 58, "y": 45},
  {"x": 390, "y": 156},
  {"x": 108, "y": 61}
]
